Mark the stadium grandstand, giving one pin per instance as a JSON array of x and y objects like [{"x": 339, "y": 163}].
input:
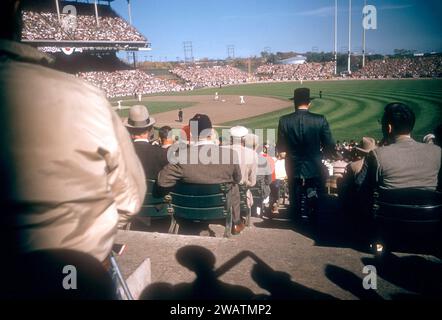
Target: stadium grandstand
[
  {"x": 85, "y": 36},
  {"x": 79, "y": 24}
]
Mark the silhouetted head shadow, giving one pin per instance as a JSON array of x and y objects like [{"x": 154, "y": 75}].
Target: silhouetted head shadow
[
  {"x": 197, "y": 259},
  {"x": 281, "y": 287},
  {"x": 206, "y": 286},
  {"x": 412, "y": 273},
  {"x": 56, "y": 275},
  {"x": 350, "y": 282}
]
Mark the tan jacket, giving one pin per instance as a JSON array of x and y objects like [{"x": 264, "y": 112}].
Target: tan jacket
[
  {"x": 74, "y": 167},
  {"x": 248, "y": 162}
]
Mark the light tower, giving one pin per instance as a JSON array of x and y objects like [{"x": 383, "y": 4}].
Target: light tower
[
  {"x": 349, "y": 37},
  {"x": 188, "y": 52},
  {"x": 363, "y": 41},
  {"x": 230, "y": 52},
  {"x": 336, "y": 37}
]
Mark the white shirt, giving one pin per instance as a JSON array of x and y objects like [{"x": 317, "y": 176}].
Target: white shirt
[{"x": 280, "y": 172}]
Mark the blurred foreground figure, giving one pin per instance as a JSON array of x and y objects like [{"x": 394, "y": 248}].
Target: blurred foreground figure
[{"x": 69, "y": 172}]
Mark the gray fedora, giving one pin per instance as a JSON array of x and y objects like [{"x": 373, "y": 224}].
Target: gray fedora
[
  {"x": 367, "y": 145},
  {"x": 139, "y": 118}
]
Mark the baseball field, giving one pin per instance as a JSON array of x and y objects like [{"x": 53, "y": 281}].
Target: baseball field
[{"x": 353, "y": 108}]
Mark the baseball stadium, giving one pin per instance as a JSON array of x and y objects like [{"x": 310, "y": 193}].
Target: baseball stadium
[{"x": 357, "y": 218}]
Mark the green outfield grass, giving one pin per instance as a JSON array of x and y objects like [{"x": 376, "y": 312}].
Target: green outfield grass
[{"x": 353, "y": 108}]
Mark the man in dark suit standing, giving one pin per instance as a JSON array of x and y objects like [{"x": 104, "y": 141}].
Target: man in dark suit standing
[
  {"x": 301, "y": 135},
  {"x": 140, "y": 125},
  {"x": 206, "y": 163}
]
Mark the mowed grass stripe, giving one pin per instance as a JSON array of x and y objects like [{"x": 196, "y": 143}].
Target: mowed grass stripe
[
  {"x": 422, "y": 106},
  {"x": 361, "y": 107},
  {"x": 353, "y": 114},
  {"x": 367, "y": 113}
]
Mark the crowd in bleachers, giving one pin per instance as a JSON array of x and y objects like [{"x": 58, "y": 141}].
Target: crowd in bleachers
[
  {"x": 200, "y": 77},
  {"x": 130, "y": 82},
  {"x": 125, "y": 83},
  {"x": 306, "y": 71},
  {"x": 45, "y": 26},
  {"x": 417, "y": 67}
]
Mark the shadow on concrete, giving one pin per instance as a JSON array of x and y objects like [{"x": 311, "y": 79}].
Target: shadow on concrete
[
  {"x": 350, "y": 282},
  {"x": 56, "y": 274},
  {"x": 330, "y": 228},
  {"x": 207, "y": 285},
  {"x": 412, "y": 273}
]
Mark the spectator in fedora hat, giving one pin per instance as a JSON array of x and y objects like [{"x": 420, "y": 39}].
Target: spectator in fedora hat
[
  {"x": 140, "y": 126},
  {"x": 349, "y": 194},
  {"x": 302, "y": 135},
  {"x": 367, "y": 144}
]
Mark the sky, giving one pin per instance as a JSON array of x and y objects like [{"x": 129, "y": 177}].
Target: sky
[{"x": 280, "y": 25}]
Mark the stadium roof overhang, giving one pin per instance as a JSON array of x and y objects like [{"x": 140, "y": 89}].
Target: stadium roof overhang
[{"x": 92, "y": 45}]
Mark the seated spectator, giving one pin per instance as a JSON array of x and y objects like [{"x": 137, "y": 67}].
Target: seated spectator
[
  {"x": 247, "y": 159},
  {"x": 140, "y": 125},
  {"x": 206, "y": 163},
  {"x": 264, "y": 170},
  {"x": 348, "y": 194},
  {"x": 403, "y": 162},
  {"x": 280, "y": 177},
  {"x": 367, "y": 145},
  {"x": 165, "y": 135}
]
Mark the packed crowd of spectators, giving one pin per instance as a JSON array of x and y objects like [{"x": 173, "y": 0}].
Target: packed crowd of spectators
[
  {"x": 306, "y": 71},
  {"x": 125, "y": 83},
  {"x": 199, "y": 77},
  {"x": 417, "y": 67},
  {"x": 45, "y": 26},
  {"x": 130, "y": 82}
]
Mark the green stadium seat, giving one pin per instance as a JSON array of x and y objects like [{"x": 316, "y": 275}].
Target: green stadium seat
[
  {"x": 155, "y": 206},
  {"x": 408, "y": 220},
  {"x": 198, "y": 202}
]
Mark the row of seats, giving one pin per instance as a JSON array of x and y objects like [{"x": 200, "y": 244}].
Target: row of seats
[
  {"x": 191, "y": 202},
  {"x": 402, "y": 218}
]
